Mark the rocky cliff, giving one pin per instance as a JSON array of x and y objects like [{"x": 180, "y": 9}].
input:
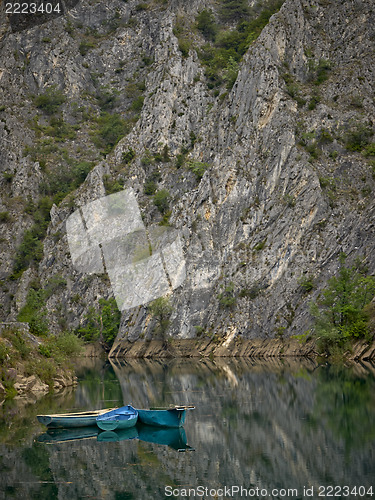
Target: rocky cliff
[{"x": 268, "y": 177}]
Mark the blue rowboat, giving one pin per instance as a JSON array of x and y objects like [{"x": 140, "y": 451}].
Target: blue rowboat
[
  {"x": 120, "y": 418},
  {"x": 173, "y": 416},
  {"x": 70, "y": 420}
]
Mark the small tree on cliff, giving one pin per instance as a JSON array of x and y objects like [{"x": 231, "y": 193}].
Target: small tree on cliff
[
  {"x": 340, "y": 312},
  {"x": 101, "y": 324},
  {"x": 161, "y": 310}
]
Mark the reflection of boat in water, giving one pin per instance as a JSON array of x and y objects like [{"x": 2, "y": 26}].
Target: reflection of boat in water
[
  {"x": 173, "y": 437},
  {"x": 173, "y": 416},
  {"x": 118, "y": 435},
  {"x": 80, "y": 433},
  {"x": 121, "y": 418},
  {"x": 74, "y": 434}
]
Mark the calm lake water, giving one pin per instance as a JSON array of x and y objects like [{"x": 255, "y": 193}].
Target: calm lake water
[{"x": 266, "y": 427}]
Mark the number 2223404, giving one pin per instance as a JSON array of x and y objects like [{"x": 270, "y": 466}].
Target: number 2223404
[
  {"x": 32, "y": 8},
  {"x": 345, "y": 491}
]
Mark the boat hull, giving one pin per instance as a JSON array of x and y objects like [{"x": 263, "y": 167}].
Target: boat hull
[
  {"x": 70, "y": 420},
  {"x": 162, "y": 418},
  {"x": 121, "y": 418}
]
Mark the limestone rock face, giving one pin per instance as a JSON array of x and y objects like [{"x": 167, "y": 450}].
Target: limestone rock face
[
  {"x": 280, "y": 196},
  {"x": 30, "y": 384}
]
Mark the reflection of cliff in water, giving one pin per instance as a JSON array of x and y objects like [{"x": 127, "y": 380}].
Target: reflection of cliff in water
[
  {"x": 269, "y": 424},
  {"x": 274, "y": 419}
]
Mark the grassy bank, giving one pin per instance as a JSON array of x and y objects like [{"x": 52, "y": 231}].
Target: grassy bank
[{"x": 35, "y": 364}]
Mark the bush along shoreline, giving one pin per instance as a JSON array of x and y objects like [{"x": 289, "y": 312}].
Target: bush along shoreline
[
  {"x": 31, "y": 364},
  {"x": 345, "y": 310}
]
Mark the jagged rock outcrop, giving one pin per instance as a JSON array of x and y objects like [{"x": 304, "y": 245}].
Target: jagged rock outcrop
[{"x": 281, "y": 198}]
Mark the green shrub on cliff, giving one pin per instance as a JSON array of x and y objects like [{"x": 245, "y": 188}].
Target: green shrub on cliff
[
  {"x": 34, "y": 311},
  {"x": 198, "y": 168},
  {"x": 358, "y": 136},
  {"x": 206, "y": 24},
  {"x": 50, "y": 101},
  {"x": 227, "y": 298},
  {"x": 89, "y": 330},
  {"x": 340, "y": 313},
  {"x": 109, "y": 130},
  {"x": 62, "y": 181},
  {"x": 61, "y": 347},
  {"x": 57, "y": 184},
  {"x": 45, "y": 369},
  {"x": 161, "y": 200},
  {"x": 18, "y": 342},
  {"x": 161, "y": 310},
  {"x": 102, "y": 323},
  {"x": 31, "y": 248},
  {"x": 225, "y": 47},
  {"x": 233, "y": 10},
  {"x": 110, "y": 319},
  {"x": 4, "y": 352}
]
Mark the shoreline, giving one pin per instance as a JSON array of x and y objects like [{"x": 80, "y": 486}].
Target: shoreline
[{"x": 253, "y": 348}]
